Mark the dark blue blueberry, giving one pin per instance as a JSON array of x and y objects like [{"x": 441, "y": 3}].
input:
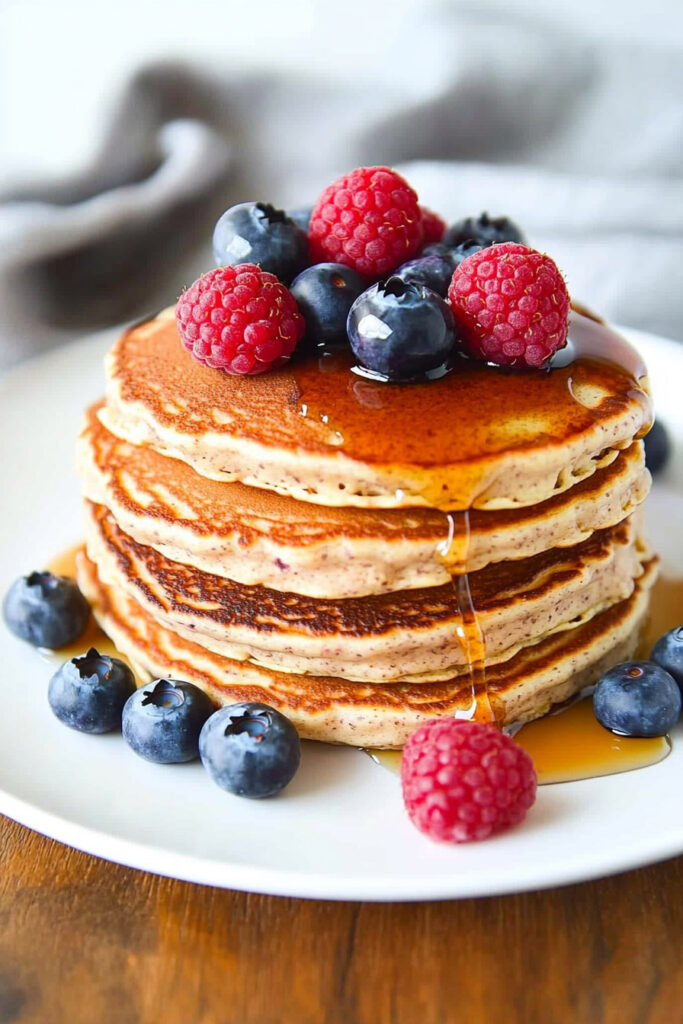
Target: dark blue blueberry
[
  {"x": 657, "y": 447},
  {"x": 301, "y": 216},
  {"x": 484, "y": 231},
  {"x": 433, "y": 272},
  {"x": 637, "y": 698},
  {"x": 258, "y": 233},
  {"x": 668, "y": 653},
  {"x": 46, "y": 610},
  {"x": 250, "y": 750},
  {"x": 453, "y": 255},
  {"x": 325, "y": 293},
  {"x": 162, "y": 721},
  {"x": 401, "y": 331},
  {"x": 88, "y": 692}
]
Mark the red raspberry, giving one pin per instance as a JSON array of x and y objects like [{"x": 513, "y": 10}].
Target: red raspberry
[
  {"x": 369, "y": 219},
  {"x": 465, "y": 780},
  {"x": 511, "y": 305},
  {"x": 239, "y": 319},
  {"x": 433, "y": 227}
]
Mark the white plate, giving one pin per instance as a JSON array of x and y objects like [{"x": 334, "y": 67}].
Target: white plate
[{"x": 339, "y": 831}]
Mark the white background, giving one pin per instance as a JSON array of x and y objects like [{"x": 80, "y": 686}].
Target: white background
[{"x": 63, "y": 61}]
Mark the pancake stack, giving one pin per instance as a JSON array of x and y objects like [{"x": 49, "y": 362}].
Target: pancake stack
[{"x": 365, "y": 556}]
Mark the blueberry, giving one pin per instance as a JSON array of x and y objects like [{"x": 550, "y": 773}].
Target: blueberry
[
  {"x": 484, "y": 231},
  {"x": 88, "y": 692},
  {"x": 401, "y": 331},
  {"x": 250, "y": 749},
  {"x": 668, "y": 654},
  {"x": 657, "y": 447},
  {"x": 453, "y": 254},
  {"x": 162, "y": 721},
  {"x": 433, "y": 272},
  {"x": 325, "y": 293},
  {"x": 258, "y": 233},
  {"x": 637, "y": 698},
  {"x": 301, "y": 216},
  {"x": 46, "y": 610}
]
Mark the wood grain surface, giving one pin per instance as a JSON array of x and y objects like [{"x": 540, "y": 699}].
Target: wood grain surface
[{"x": 83, "y": 941}]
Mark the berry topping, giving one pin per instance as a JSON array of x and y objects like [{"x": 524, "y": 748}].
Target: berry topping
[
  {"x": 483, "y": 230},
  {"x": 511, "y": 305},
  {"x": 637, "y": 698},
  {"x": 369, "y": 219},
  {"x": 433, "y": 272},
  {"x": 433, "y": 226},
  {"x": 258, "y": 233},
  {"x": 250, "y": 750},
  {"x": 668, "y": 654},
  {"x": 657, "y": 447},
  {"x": 162, "y": 721},
  {"x": 401, "y": 331},
  {"x": 465, "y": 780},
  {"x": 46, "y": 610},
  {"x": 239, "y": 319},
  {"x": 325, "y": 293},
  {"x": 88, "y": 693}
]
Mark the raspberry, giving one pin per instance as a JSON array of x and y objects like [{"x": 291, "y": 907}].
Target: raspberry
[
  {"x": 239, "y": 319},
  {"x": 465, "y": 780},
  {"x": 511, "y": 305},
  {"x": 433, "y": 227},
  {"x": 369, "y": 219}
]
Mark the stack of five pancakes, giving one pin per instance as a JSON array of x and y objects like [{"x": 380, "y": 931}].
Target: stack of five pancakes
[{"x": 366, "y": 556}]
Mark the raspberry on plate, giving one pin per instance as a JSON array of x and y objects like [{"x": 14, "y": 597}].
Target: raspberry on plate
[
  {"x": 369, "y": 219},
  {"x": 433, "y": 226},
  {"x": 511, "y": 305},
  {"x": 239, "y": 319},
  {"x": 465, "y": 780}
]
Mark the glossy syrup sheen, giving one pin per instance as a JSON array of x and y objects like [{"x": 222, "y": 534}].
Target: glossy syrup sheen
[
  {"x": 475, "y": 410},
  {"x": 321, "y": 405},
  {"x": 570, "y": 744}
]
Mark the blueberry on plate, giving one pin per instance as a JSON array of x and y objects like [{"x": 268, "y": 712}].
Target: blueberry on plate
[
  {"x": 258, "y": 233},
  {"x": 401, "y": 331},
  {"x": 433, "y": 272},
  {"x": 250, "y": 749},
  {"x": 657, "y": 447},
  {"x": 162, "y": 721},
  {"x": 46, "y": 610},
  {"x": 668, "y": 654},
  {"x": 88, "y": 692},
  {"x": 301, "y": 217},
  {"x": 324, "y": 294},
  {"x": 483, "y": 231},
  {"x": 637, "y": 698}
]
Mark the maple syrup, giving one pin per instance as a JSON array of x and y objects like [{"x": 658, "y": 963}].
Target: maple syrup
[
  {"x": 468, "y": 633},
  {"x": 569, "y": 744}
]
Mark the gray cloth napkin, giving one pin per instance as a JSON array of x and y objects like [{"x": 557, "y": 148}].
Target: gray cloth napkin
[{"x": 482, "y": 110}]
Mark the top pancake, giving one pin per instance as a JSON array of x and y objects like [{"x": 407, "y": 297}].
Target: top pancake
[{"x": 480, "y": 437}]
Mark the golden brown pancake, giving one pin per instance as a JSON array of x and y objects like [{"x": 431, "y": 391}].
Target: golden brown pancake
[
  {"x": 255, "y": 536},
  {"x": 481, "y": 437},
  {"x": 381, "y": 715},
  {"x": 410, "y": 636}
]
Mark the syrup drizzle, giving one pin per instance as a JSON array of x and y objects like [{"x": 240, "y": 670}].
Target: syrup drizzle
[{"x": 468, "y": 633}]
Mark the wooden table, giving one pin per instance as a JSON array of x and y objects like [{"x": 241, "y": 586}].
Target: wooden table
[{"x": 83, "y": 941}]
